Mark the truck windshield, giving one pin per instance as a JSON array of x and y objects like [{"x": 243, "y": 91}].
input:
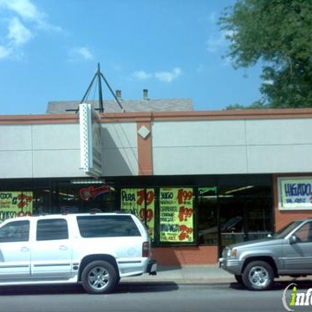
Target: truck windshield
[{"x": 286, "y": 229}]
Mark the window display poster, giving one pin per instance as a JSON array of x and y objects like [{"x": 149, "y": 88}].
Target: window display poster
[
  {"x": 176, "y": 215},
  {"x": 295, "y": 193},
  {"x": 13, "y": 204},
  {"x": 141, "y": 203}
]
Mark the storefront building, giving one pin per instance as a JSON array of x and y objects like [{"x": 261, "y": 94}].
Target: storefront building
[{"x": 199, "y": 180}]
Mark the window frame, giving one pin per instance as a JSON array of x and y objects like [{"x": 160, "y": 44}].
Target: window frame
[{"x": 45, "y": 229}]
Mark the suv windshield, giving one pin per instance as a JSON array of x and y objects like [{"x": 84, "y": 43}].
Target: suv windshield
[{"x": 283, "y": 232}]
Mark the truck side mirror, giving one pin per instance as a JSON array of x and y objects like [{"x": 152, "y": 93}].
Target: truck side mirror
[{"x": 292, "y": 239}]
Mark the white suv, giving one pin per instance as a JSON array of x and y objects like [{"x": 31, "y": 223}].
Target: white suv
[{"x": 94, "y": 249}]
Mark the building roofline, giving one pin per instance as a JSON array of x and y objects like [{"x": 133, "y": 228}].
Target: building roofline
[{"x": 289, "y": 113}]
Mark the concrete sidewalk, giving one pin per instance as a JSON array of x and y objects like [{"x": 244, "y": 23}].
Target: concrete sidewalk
[
  {"x": 197, "y": 274},
  {"x": 186, "y": 275}
]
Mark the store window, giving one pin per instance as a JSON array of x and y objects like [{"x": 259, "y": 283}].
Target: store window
[
  {"x": 245, "y": 213},
  {"x": 77, "y": 197},
  {"x": 235, "y": 209},
  {"x": 141, "y": 203},
  {"x": 15, "y": 203},
  {"x": 42, "y": 201},
  {"x": 176, "y": 215},
  {"x": 207, "y": 216}
]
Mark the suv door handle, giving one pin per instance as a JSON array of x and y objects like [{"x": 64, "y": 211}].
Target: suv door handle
[
  {"x": 24, "y": 249},
  {"x": 63, "y": 247}
]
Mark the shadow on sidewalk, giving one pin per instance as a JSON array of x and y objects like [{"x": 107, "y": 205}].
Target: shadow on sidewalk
[
  {"x": 164, "y": 268},
  {"x": 140, "y": 287}
]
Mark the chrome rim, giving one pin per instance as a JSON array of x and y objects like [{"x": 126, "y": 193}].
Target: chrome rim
[
  {"x": 259, "y": 276},
  {"x": 98, "y": 278}
]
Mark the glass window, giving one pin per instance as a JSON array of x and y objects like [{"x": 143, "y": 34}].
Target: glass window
[
  {"x": 52, "y": 229},
  {"x": 245, "y": 212},
  {"x": 141, "y": 203},
  {"x": 304, "y": 234},
  {"x": 283, "y": 232},
  {"x": 107, "y": 226},
  {"x": 73, "y": 198},
  {"x": 176, "y": 211},
  {"x": 207, "y": 216},
  {"x": 16, "y": 231},
  {"x": 15, "y": 203}
]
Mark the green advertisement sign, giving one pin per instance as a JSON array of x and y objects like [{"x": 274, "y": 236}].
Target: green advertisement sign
[
  {"x": 141, "y": 203},
  {"x": 176, "y": 215},
  {"x": 15, "y": 204}
]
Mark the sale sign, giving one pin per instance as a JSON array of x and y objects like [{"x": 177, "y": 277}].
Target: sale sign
[
  {"x": 141, "y": 203},
  {"x": 295, "y": 193},
  {"x": 176, "y": 214},
  {"x": 13, "y": 204}
]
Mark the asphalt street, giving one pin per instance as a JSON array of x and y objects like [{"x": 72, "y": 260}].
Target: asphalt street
[{"x": 145, "y": 296}]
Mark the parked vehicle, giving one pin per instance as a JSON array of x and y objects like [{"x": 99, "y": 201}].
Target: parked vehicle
[
  {"x": 256, "y": 263},
  {"x": 95, "y": 250}
]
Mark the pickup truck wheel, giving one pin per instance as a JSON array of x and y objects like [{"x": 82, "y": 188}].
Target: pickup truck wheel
[
  {"x": 99, "y": 277},
  {"x": 258, "y": 275}
]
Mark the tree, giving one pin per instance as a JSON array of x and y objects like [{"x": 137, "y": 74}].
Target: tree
[{"x": 277, "y": 33}]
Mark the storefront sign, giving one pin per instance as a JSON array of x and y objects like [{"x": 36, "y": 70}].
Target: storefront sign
[
  {"x": 141, "y": 203},
  {"x": 90, "y": 141},
  {"x": 13, "y": 204},
  {"x": 295, "y": 193},
  {"x": 176, "y": 214},
  {"x": 92, "y": 192}
]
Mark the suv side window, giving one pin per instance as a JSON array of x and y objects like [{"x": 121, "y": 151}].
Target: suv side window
[
  {"x": 107, "y": 226},
  {"x": 15, "y": 231},
  {"x": 52, "y": 229},
  {"x": 304, "y": 234}
]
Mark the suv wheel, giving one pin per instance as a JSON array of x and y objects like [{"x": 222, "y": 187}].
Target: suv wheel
[
  {"x": 99, "y": 277},
  {"x": 258, "y": 275}
]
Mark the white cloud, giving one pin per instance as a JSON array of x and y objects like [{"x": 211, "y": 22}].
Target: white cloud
[
  {"x": 214, "y": 43},
  {"x": 79, "y": 53},
  {"x": 141, "y": 75},
  {"x": 28, "y": 12},
  {"x": 168, "y": 77},
  {"x": 218, "y": 41},
  {"x": 164, "y": 76},
  {"x": 18, "y": 33},
  {"x": 4, "y": 52},
  {"x": 24, "y": 8},
  {"x": 22, "y": 26}
]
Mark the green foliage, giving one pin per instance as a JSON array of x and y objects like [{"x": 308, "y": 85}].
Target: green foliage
[
  {"x": 277, "y": 33},
  {"x": 255, "y": 105}
]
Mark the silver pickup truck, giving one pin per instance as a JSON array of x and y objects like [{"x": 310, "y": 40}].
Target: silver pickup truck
[{"x": 256, "y": 263}]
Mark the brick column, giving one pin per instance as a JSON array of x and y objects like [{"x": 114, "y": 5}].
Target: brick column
[{"x": 144, "y": 137}]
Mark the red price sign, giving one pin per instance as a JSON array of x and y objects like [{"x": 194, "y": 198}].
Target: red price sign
[
  {"x": 184, "y": 196},
  {"x": 185, "y": 213},
  {"x": 185, "y": 232},
  {"x": 147, "y": 196},
  {"x": 146, "y": 214}
]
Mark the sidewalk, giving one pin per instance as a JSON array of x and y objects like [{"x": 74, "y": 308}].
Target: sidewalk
[
  {"x": 197, "y": 274},
  {"x": 186, "y": 275}
]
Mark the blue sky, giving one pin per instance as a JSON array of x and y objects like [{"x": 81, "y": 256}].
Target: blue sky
[{"x": 49, "y": 51}]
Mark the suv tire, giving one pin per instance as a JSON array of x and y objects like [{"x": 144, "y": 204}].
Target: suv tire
[
  {"x": 258, "y": 275},
  {"x": 99, "y": 277}
]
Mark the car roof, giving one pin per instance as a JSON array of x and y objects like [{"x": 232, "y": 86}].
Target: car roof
[{"x": 68, "y": 215}]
